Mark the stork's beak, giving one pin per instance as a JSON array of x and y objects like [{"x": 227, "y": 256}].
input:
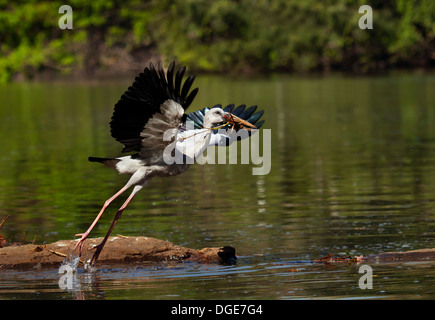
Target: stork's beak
[{"x": 232, "y": 119}]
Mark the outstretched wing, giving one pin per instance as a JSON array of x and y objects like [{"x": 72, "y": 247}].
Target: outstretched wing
[
  {"x": 160, "y": 131},
  {"x": 144, "y": 98},
  {"x": 226, "y": 135}
]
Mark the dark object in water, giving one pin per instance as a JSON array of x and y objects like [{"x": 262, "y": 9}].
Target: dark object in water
[{"x": 228, "y": 255}]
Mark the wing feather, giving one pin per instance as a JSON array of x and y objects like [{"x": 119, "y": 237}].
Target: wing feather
[
  {"x": 144, "y": 98},
  {"x": 197, "y": 117},
  {"x": 160, "y": 131}
]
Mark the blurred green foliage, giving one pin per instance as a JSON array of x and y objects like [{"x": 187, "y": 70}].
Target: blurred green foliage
[{"x": 217, "y": 36}]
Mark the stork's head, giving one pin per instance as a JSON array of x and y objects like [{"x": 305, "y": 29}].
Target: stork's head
[{"x": 215, "y": 117}]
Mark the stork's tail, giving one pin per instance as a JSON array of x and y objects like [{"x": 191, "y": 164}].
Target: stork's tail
[{"x": 108, "y": 162}]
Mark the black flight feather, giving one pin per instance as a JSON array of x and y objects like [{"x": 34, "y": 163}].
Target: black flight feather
[{"x": 143, "y": 99}]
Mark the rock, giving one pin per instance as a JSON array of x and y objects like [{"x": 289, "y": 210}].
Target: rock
[{"x": 118, "y": 249}]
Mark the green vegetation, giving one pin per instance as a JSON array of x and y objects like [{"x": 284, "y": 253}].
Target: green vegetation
[{"x": 216, "y": 36}]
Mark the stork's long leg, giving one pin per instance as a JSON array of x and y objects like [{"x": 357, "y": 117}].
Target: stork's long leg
[
  {"x": 81, "y": 241},
  {"x": 136, "y": 189}
]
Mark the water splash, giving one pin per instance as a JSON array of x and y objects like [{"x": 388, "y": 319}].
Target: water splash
[
  {"x": 87, "y": 266},
  {"x": 68, "y": 270},
  {"x": 69, "y": 264}
]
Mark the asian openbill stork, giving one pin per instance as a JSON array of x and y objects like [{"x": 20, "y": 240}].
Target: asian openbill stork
[{"x": 153, "y": 109}]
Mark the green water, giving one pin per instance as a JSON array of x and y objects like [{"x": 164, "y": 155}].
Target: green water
[{"x": 353, "y": 168}]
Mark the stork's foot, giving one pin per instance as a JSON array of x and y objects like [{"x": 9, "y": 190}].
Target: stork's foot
[
  {"x": 98, "y": 249},
  {"x": 81, "y": 242}
]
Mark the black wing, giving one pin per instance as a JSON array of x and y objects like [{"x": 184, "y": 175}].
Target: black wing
[
  {"x": 241, "y": 111},
  {"x": 144, "y": 98}
]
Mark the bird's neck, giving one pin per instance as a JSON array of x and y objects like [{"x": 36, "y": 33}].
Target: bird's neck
[{"x": 207, "y": 123}]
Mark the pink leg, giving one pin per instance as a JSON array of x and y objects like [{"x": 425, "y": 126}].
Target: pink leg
[
  {"x": 81, "y": 241},
  {"x": 99, "y": 248}
]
